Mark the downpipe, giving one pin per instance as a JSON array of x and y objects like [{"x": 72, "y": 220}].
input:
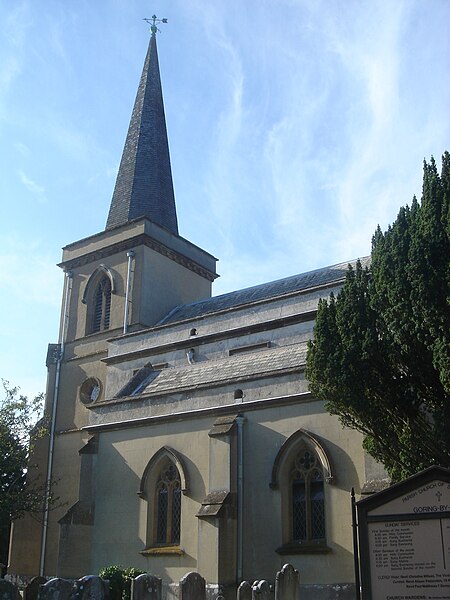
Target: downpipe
[
  {"x": 240, "y": 497},
  {"x": 48, "y": 480},
  {"x": 130, "y": 256}
]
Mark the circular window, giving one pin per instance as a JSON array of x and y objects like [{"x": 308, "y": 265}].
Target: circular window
[{"x": 90, "y": 390}]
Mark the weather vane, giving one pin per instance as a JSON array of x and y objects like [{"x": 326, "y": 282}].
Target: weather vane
[{"x": 153, "y": 21}]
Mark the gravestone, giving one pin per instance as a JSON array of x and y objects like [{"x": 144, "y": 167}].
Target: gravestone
[
  {"x": 287, "y": 584},
  {"x": 31, "y": 591},
  {"x": 8, "y": 591},
  {"x": 90, "y": 587},
  {"x": 261, "y": 590},
  {"x": 192, "y": 587},
  {"x": 146, "y": 587},
  {"x": 55, "y": 589},
  {"x": 244, "y": 591}
]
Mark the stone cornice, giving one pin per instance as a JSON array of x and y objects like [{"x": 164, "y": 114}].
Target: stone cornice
[
  {"x": 203, "y": 412},
  {"x": 138, "y": 240}
]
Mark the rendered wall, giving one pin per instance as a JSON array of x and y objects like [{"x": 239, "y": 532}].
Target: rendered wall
[{"x": 121, "y": 515}]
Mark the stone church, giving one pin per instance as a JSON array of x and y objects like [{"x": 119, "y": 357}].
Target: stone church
[{"x": 183, "y": 435}]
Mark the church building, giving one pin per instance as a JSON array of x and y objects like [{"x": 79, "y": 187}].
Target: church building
[{"x": 183, "y": 436}]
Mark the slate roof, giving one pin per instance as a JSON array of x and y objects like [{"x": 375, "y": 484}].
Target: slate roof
[
  {"x": 266, "y": 291},
  {"x": 230, "y": 368},
  {"x": 144, "y": 186}
]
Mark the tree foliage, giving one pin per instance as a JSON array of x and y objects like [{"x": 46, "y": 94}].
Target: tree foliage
[
  {"x": 20, "y": 490},
  {"x": 19, "y": 429},
  {"x": 381, "y": 353},
  {"x": 120, "y": 580}
]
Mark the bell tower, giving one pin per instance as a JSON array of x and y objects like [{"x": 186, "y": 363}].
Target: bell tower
[
  {"x": 133, "y": 273},
  {"x": 121, "y": 280}
]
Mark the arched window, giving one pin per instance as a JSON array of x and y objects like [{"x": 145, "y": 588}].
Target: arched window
[
  {"x": 307, "y": 498},
  {"x": 102, "y": 306},
  {"x": 97, "y": 296},
  {"x": 162, "y": 484},
  {"x": 300, "y": 471},
  {"x": 168, "y": 505}
]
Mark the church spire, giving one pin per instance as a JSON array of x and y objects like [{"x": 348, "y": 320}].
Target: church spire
[{"x": 144, "y": 185}]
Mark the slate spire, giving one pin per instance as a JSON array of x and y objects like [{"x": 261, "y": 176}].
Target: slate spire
[{"x": 144, "y": 186}]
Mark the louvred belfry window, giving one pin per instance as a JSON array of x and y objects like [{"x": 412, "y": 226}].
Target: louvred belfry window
[
  {"x": 307, "y": 498},
  {"x": 168, "y": 506},
  {"x": 102, "y": 306}
]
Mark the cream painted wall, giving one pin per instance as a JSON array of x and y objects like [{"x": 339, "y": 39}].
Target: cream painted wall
[
  {"x": 264, "y": 433},
  {"x": 166, "y": 284},
  {"x": 121, "y": 515},
  {"x": 120, "y": 519}
]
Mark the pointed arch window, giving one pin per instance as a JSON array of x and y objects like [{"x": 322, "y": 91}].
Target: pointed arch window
[
  {"x": 97, "y": 296},
  {"x": 162, "y": 485},
  {"x": 168, "y": 506},
  {"x": 301, "y": 471},
  {"x": 101, "y": 306},
  {"x": 307, "y": 498}
]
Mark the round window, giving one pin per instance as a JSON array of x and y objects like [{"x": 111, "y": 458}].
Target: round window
[{"x": 90, "y": 390}]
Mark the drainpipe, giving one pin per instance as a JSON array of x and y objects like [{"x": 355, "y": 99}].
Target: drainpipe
[
  {"x": 240, "y": 496},
  {"x": 130, "y": 256},
  {"x": 48, "y": 481},
  {"x": 355, "y": 546}
]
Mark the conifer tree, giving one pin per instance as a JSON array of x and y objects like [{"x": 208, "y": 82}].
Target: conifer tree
[{"x": 381, "y": 352}]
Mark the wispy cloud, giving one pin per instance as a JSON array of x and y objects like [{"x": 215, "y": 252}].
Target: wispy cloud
[
  {"x": 27, "y": 274},
  {"x": 21, "y": 148},
  {"x": 13, "y": 29},
  {"x": 301, "y": 124},
  {"x": 30, "y": 292},
  {"x": 37, "y": 190},
  {"x": 336, "y": 121},
  {"x": 224, "y": 171}
]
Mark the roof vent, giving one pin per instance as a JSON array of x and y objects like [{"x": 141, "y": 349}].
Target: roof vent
[{"x": 190, "y": 355}]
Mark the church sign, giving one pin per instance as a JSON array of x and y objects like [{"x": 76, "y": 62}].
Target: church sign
[{"x": 404, "y": 538}]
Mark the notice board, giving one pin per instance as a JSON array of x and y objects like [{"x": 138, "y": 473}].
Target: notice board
[{"x": 404, "y": 539}]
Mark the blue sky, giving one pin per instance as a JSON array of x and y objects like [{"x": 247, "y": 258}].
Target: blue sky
[{"x": 295, "y": 127}]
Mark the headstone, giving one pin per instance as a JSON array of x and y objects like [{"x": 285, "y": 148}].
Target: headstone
[
  {"x": 146, "y": 587},
  {"x": 90, "y": 588},
  {"x": 8, "y": 591},
  {"x": 261, "y": 590},
  {"x": 244, "y": 591},
  {"x": 192, "y": 587},
  {"x": 287, "y": 583},
  {"x": 32, "y": 589},
  {"x": 55, "y": 589}
]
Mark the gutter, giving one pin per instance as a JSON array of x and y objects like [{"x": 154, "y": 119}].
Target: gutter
[{"x": 200, "y": 412}]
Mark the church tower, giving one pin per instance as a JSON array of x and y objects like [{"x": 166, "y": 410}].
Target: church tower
[
  {"x": 184, "y": 436},
  {"x": 121, "y": 280}
]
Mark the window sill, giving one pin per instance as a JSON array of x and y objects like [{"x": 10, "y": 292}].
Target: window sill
[
  {"x": 163, "y": 551},
  {"x": 303, "y": 548}
]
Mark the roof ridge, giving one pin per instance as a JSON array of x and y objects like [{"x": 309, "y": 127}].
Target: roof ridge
[{"x": 251, "y": 294}]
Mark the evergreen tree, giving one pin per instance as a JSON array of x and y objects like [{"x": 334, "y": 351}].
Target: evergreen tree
[{"x": 381, "y": 352}]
